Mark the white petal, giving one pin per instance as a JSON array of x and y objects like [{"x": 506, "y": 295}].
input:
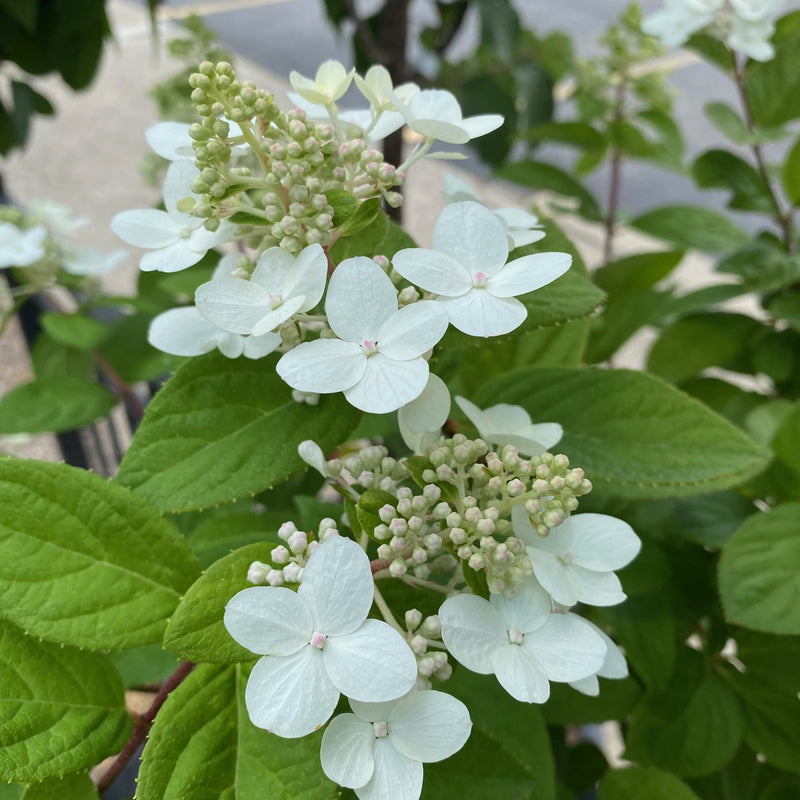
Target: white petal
[
  {"x": 182, "y": 332},
  {"x": 566, "y": 648},
  {"x": 395, "y": 778},
  {"x": 527, "y": 609},
  {"x": 308, "y": 276},
  {"x": 145, "y": 227},
  {"x": 430, "y": 410},
  {"x": 413, "y": 330},
  {"x": 589, "y": 686},
  {"x": 471, "y": 630},
  {"x": 476, "y": 416},
  {"x": 433, "y": 271},
  {"x": 333, "y": 79},
  {"x": 602, "y": 542},
  {"x": 172, "y": 258},
  {"x": 596, "y": 588},
  {"x": 446, "y": 155},
  {"x": 523, "y": 238},
  {"x": 337, "y": 585},
  {"x": 614, "y": 664},
  {"x": 371, "y": 664},
  {"x": 346, "y": 751},
  {"x": 178, "y": 184},
  {"x": 456, "y": 190},
  {"x": 480, "y": 313},
  {"x": 312, "y": 454},
  {"x": 170, "y": 140},
  {"x": 471, "y": 235},
  {"x": 387, "y": 124},
  {"x": 481, "y": 125},
  {"x": 259, "y": 346},
  {"x": 388, "y": 384},
  {"x": 361, "y": 297},
  {"x": 21, "y": 248},
  {"x": 429, "y": 726},
  {"x": 290, "y": 696},
  {"x": 272, "y": 270},
  {"x": 373, "y": 712},
  {"x": 273, "y": 319},
  {"x": 88, "y": 261},
  {"x": 520, "y": 675},
  {"x": 554, "y": 575},
  {"x": 233, "y": 304},
  {"x": 517, "y": 218},
  {"x": 442, "y": 131},
  {"x": 203, "y": 240},
  {"x": 269, "y": 620},
  {"x": 231, "y": 345},
  {"x": 436, "y": 104},
  {"x": 528, "y": 273},
  {"x": 323, "y": 366}
]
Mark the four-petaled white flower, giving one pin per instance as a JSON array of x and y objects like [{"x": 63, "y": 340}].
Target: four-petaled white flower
[
  {"x": 575, "y": 561},
  {"x": 330, "y": 83},
  {"x": 521, "y": 226},
  {"x": 21, "y": 248},
  {"x": 614, "y": 666},
  {"x": 379, "y": 750},
  {"x": 436, "y": 114},
  {"x": 520, "y": 640},
  {"x": 175, "y": 240},
  {"x": 281, "y": 285},
  {"x": 421, "y": 420},
  {"x": 318, "y": 642},
  {"x": 183, "y": 332},
  {"x": 88, "y": 261},
  {"x": 467, "y": 269},
  {"x": 504, "y": 424},
  {"x": 377, "y": 361}
]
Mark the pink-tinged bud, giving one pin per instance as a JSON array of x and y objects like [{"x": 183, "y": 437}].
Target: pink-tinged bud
[
  {"x": 387, "y": 513},
  {"x": 318, "y": 640},
  {"x": 257, "y": 573},
  {"x": 280, "y": 555},
  {"x": 286, "y": 530},
  {"x": 398, "y": 568}
]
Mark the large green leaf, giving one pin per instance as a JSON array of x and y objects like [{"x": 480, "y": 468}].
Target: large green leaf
[
  {"x": 196, "y": 631},
  {"x": 721, "y": 169},
  {"x": 61, "y": 709},
  {"x": 54, "y": 404},
  {"x": 82, "y": 561},
  {"x": 204, "y": 747},
  {"x": 75, "y": 330},
  {"x": 567, "y": 706},
  {"x": 634, "y": 435},
  {"x": 643, "y": 783},
  {"x": 508, "y": 754},
  {"x": 691, "y": 226},
  {"x": 773, "y": 87},
  {"x": 222, "y": 429},
  {"x": 759, "y": 572},
  {"x": 791, "y": 174},
  {"x": 77, "y": 786}
]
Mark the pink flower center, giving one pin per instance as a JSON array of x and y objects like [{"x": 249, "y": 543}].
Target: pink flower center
[
  {"x": 275, "y": 300},
  {"x": 479, "y": 280},
  {"x": 381, "y": 729},
  {"x": 318, "y": 640},
  {"x": 369, "y": 347},
  {"x": 515, "y": 636}
]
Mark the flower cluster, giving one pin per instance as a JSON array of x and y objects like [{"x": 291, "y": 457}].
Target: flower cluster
[
  {"x": 745, "y": 25},
  {"x": 286, "y": 186}
]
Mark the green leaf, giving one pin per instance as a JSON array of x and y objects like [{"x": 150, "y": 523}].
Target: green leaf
[
  {"x": 691, "y": 729},
  {"x": 82, "y": 561},
  {"x": 195, "y": 631},
  {"x": 25, "y": 12},
  {"x": 762, "y": 266},
  {"x": 638, "y": 783},
  {"x": 637, "y": 272},
  {"x": 721, "y": 169},
  {"x": 54, "y": 360},
  {"x": 711, "y": 519},
  {"x": 61, "y": 709},
  {"x": 143, "y": 665},
  {"x": 369, "y": 504},
  {"x": 693, "y": 343},
  {"x": 759, "y": 572},
  {"x": 541, "y": 176},
  {"x": 222, "y": 429},
  {"x": 367, "y": 242},
  {"x": 54, "y": 404},
  {"x": 578, "y": 134},
  {"x": 567, "y": 706},
  {"x": 634, "y": 435},
  {"x": 366, "y": 213},
  {"x": 791, "y": 174},
  {"x": 728, "y": 122},
  {"x": 691, "y": 226},
  {"x": 77, "y": 786},
  {"x": 204, "y": 747},
  {"x": 344, "y": 205},
  {"x": 131, "y": 355},
  {"x": 771, "y": 659},
  {"x": 75, "y": 330},
  {"x": 396, "y": 239},
  {"x": 508, "y": 755},
  {"x": 773, "y": 87}
]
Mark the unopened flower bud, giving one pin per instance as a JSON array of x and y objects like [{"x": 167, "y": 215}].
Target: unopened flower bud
[
  {"x": 280, "y": 555},
  {"x": 398, "y": 568},
  {"x": 292, "y": 573},
  {"x": 413, "y": 619},
  {"x": 298, "y": 542},
  {"x": 418, "y": 644},
  {"x": 458, "y": 536},
  {"x": 275, "y": 577},
  {"x": 257, "y": 573},
  {"x": 286, "y": 530}
]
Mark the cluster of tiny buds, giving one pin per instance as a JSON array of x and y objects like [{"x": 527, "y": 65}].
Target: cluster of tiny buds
[
  {"x": 289, "y": 560},
  {"x": 422, "y": 633},
  {"x": 373, "y": 468},
  {"x": 281, "y": 196}
]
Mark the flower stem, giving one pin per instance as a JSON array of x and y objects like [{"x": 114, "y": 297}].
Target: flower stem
[{"x": 386, "y": 612}]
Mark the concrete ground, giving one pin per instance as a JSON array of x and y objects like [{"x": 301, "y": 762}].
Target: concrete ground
[{"x": 87, "y": 156}]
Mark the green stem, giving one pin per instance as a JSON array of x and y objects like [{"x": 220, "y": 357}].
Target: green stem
[{"x": 386, "y": 612}]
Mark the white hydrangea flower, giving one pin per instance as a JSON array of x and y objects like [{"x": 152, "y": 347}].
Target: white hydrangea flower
[
  {"x": 183, "y": 332},
  {"x": 88, "y": 261},
  {"x": 751, "y": 37},
  {"x": 175, "y": 240},
  {"x": 58, "y": 219},
  {"x": 520, "y": 640},
  {"x": 575, "y": 562},
  {"x": 21, "y": 248},
  {"x": 377, "y": 361},
  {"x": 521, "y": 226},
  {"x": 330, "y": 83},
  {"x": 421, "y": 420},
  {"x": 379, "y": 749},
  {"x": 614, "y": 665},
  {"x": 171, "y": 140},
  {"x": 281, "y": 285},
  {"x": 436, "y": 114},
  {"x": 467, "y": 269},
  {"x": 679, "y": 19},
  {"x": 318, "y": 642},
  {"x": 504, "y": 424}
]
